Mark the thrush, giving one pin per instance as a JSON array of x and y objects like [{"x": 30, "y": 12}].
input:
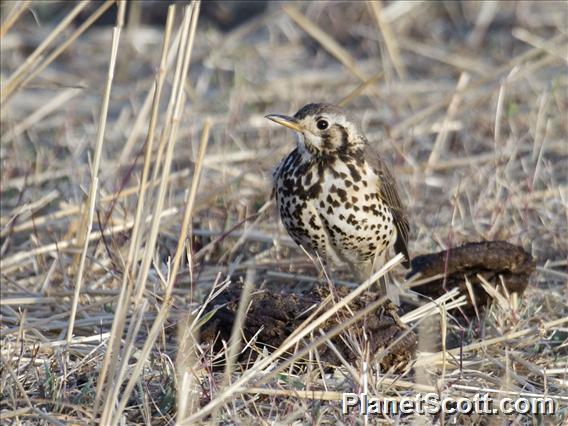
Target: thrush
[{"x": 336, "y": 195}]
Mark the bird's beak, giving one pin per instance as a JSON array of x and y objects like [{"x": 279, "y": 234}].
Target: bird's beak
[{"x": 285, "y": 121}]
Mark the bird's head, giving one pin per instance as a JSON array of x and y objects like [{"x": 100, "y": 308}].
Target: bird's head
[{"x": 323, "y": 129}]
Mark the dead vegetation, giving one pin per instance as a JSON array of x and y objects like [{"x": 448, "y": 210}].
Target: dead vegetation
[{"x": 135, "y": 195}]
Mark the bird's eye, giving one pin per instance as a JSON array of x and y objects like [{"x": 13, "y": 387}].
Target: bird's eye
[{"x": 322, "y": 124}]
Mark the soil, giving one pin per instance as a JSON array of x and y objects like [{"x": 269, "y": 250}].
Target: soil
[
  {"x": 490, "y": 259},
  {"x": 272, "y": 316}
]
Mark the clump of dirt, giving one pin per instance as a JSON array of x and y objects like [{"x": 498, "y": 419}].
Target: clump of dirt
[
  {"x": 489, "y": 259},
  {"x": 274, "y": 316}
]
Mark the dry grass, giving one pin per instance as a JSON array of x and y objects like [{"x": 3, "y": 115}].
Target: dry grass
[{"x": 134, "y": 191}]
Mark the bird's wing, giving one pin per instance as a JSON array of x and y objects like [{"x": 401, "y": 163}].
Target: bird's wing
[
  {"x": 389, "y": 194},
  {"x": 275, "y": 175}
]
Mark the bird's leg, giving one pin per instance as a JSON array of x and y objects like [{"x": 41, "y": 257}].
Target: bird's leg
[
  {"x": 361, "y": 271},
  {"x": 327, "y": 275},
  {"x": 389, "y": 288},
  {"x": 386, "y": 285},
  {"x": 364, "y": 271}
]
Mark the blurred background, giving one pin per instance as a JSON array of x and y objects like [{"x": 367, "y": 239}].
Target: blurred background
[
  {"x": 467, "y": 101},
  {"x": 254, "y": 58}
]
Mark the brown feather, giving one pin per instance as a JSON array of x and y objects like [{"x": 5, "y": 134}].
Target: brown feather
[{"x": 389, "y": 194}]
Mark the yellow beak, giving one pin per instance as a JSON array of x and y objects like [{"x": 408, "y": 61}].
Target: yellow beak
[{"x": 285, "y": 121}]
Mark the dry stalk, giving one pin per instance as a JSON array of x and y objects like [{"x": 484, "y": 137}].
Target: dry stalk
[
  {"x": 389, "y": 38},
  {"x": 149, "y": 102},
  {"x": 249, "y": 374},
  {"x": 346, "y": 100},
  {"x": 188, "y": 33},
  {"x": 18, "y": 76},
  {"x": 435, "y": 358},
  {"x": 19, "y": 8},
  {"x": 40, "y": 113},
  {"x": 440, "y": 142},
  {"x": 539, "y": 43},
  {"x": 166, "y": 141},
  {"x": 326, "y": 41},
  {"x": 72, "y": 210},
  {"x": 234, "y": 343},
  {"x": 421, "y": 115},
  {"x": 17, "y": 260},
  {"x": 127, "y": 281},
  {"x": 23, "y": 80},
  {"x": 86, "y": 233}
]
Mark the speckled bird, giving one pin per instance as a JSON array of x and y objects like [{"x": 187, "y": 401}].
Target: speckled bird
[{"x": 335, "y": 194}]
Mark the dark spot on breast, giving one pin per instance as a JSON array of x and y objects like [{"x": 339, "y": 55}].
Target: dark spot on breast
[
  {"x": 338, "y": 230},
  {"x": 342, "y": 194},
  {"x": 333, "y": 172},
  {"x": 354, "y": 172},
  {"x": 314, "y": 190},
  {"x": 313, "y": 223}
]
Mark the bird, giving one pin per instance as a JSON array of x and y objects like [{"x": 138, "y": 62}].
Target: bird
[{"x": 335, "y": 194}]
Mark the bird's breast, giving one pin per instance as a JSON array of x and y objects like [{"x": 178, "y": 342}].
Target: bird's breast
[
  {"x": 334, "y": 208},
  {"x": 358, "y": 222}
]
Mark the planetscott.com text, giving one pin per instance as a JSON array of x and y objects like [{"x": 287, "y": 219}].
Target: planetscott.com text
[{"x": 432, "y": 403}]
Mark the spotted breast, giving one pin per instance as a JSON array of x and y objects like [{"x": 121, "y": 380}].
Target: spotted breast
[{"x": 334, "y": 207}]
